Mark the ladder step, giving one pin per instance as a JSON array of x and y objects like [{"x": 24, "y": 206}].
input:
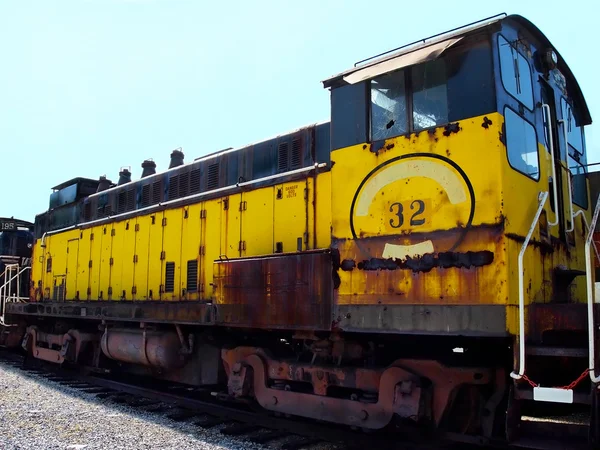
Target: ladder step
[
  {"x": 571, "y": 352},
  {"x": 554, "y": 432}
]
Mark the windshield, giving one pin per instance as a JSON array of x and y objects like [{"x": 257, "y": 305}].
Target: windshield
[{"x": 454, "y": 87}]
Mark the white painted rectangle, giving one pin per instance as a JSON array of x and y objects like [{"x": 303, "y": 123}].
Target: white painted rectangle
[{"x": 554, "y": 395}]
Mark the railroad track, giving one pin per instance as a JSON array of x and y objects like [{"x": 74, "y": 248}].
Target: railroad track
[{"x": 209, "y": 410}]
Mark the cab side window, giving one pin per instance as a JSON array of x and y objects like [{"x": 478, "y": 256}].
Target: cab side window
[
  {"x": 515, "y": 73},
  {"x": 521, "y": 144}
]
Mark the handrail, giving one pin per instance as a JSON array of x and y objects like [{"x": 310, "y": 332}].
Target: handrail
[
  {"x": 543, "y": 196},
  {"x": 590, "y": 295},
  {"x": 6, "y": 288},
  {"x": 571, "y": 226},
  {"x": 548, "y": 114}
]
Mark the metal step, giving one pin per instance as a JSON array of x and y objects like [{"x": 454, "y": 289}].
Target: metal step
[
  {"x": 559, "y": 352},
  {"x": 559, "y": 432}
]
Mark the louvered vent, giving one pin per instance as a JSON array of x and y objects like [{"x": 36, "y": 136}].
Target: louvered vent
[
  {"x": 195, "y": 181},
  {"x": 296, "y": 154},
  {"x": 169, "y": 277},
  {"x": 130, "y": 194},
  {"x": 121, "y": 202},
  {"x": 173, "y": 187},
  {"x": 87, "y": 212},
  {"x": 146, "y": 195},
  {"x": 213, "y": 176},
  {"x": 184, "y": 185},
  {"x": 192, "y": 275},
  {"x": 157, "y": 192},
  {"x": 282, "y": 157}
]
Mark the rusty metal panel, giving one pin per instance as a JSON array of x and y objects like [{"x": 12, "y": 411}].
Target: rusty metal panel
[{"x": 288, "y": 291}]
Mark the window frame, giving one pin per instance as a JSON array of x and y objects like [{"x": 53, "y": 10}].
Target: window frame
[
  {"x": 500, "y": 35},
  {"x": 407, "y": 101},
  {"x": 535, "y": 180},
  {"x": 585, "y": 177},
  {"x": 582, "y": 152}
]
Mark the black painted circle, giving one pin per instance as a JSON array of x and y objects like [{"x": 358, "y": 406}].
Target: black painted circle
[{"x": 419, "y": 155}]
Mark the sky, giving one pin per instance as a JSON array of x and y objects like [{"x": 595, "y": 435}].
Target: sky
[{"x": 90, "y": 86}]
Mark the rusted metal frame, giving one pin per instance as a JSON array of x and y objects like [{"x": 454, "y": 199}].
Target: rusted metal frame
[
  {"x": 33, "y": 336},
  {"x": 196, "y": 313},
  {"x": 349, "y": 412},
  {"x": 444, "y": 379}
]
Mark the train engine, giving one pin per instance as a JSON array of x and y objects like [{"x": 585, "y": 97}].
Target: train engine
[{"x": 421, "y": 261}]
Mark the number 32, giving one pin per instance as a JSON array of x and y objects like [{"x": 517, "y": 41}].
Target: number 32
[{"x": 398, "y": 210}]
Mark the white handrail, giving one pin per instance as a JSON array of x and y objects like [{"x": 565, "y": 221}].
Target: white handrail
[
  {"x": 543, "y": 196},
  {"x": 566, "y": 137},
  {"x": 590, "y": 295},
  {"x": 546, "y": 110},
  {"x": 6, "y": 293}
]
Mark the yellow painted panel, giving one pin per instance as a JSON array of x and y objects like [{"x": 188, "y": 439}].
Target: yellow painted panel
[
  {"x": 83, "y": 273},
  {"x": 257, "y": 222},
  {"x": 38, "y": 267},
  {"x": 320, "y": 210},
  {"x": 417, "y": 195},
  {"x": 211, "y": 232},
  {"x": 118, "y": 255},
  {"x": 155, "y": 264},
  {"x": 290, "y": 216},
  {"x": 124, "y": 250},
  {"x": 231, "y": 226},
  {"x": 96, "y": 260},
  {"x": 72, "y": 255},
  {"x": 172, "y": 251},
  {"x": 190, "y": 247},
  {"x": 105, "y": 266},
  {"x": 144, "y": 229}
]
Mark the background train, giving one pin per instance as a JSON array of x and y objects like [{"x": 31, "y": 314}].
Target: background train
[{"x": 423, "y": 260}]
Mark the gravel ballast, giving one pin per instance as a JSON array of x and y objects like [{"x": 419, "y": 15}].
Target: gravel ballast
[{"x": 40, "y": 414}]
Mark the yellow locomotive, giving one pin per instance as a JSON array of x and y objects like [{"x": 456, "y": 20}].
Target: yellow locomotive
[{"x": 423, "y": 259}]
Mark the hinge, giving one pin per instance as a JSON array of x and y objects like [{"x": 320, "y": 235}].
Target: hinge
[
  {"x": 90, "y": 263},
  {"x": 135, "y": 258},
  {"x": 243, "y": 205},
  {"x": 242, "y": 245},
  {"x": 201, "y": 287},
  {"x": 110, "y": 290},
  {"x": 91, "y": 236},
  {"x": 306, "y": 238},
  {"x": 111, "y": 261},
  {"x": 225, "y": 203},
  {"x": 202, "y": 250},
  {"x": 137, "y": 227},
  {"x": 134, "y": 289},
  {"x": 305, "y": 193},
  {"x": 185, "y": 213},
  {"x": 161, "y": 289},
  {"x": 164, "y": 222},
  {"x": 89, "y": 291},
  {"x": 113, "y": 232},
  {"x": 203, "y": 214},
  {"x": 163, "y": 255}
]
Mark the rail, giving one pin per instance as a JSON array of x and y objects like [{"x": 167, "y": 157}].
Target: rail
[
  {"x": 11, "y": 273},
  {"x": 543, "y": 196},
  {"x": 548, "y": 115},
  {"x": 590, "y": 295}
]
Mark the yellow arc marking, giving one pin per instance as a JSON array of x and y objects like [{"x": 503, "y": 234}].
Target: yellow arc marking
[{"x": 410, "y": 169}]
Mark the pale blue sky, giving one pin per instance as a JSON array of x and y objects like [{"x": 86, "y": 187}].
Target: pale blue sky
[{"x": 89, "y": 86}]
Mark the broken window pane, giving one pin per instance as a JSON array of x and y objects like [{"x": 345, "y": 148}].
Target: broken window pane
[
  {"x": 388, "y": 106},
  {"x": 430, "y": 95}
]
